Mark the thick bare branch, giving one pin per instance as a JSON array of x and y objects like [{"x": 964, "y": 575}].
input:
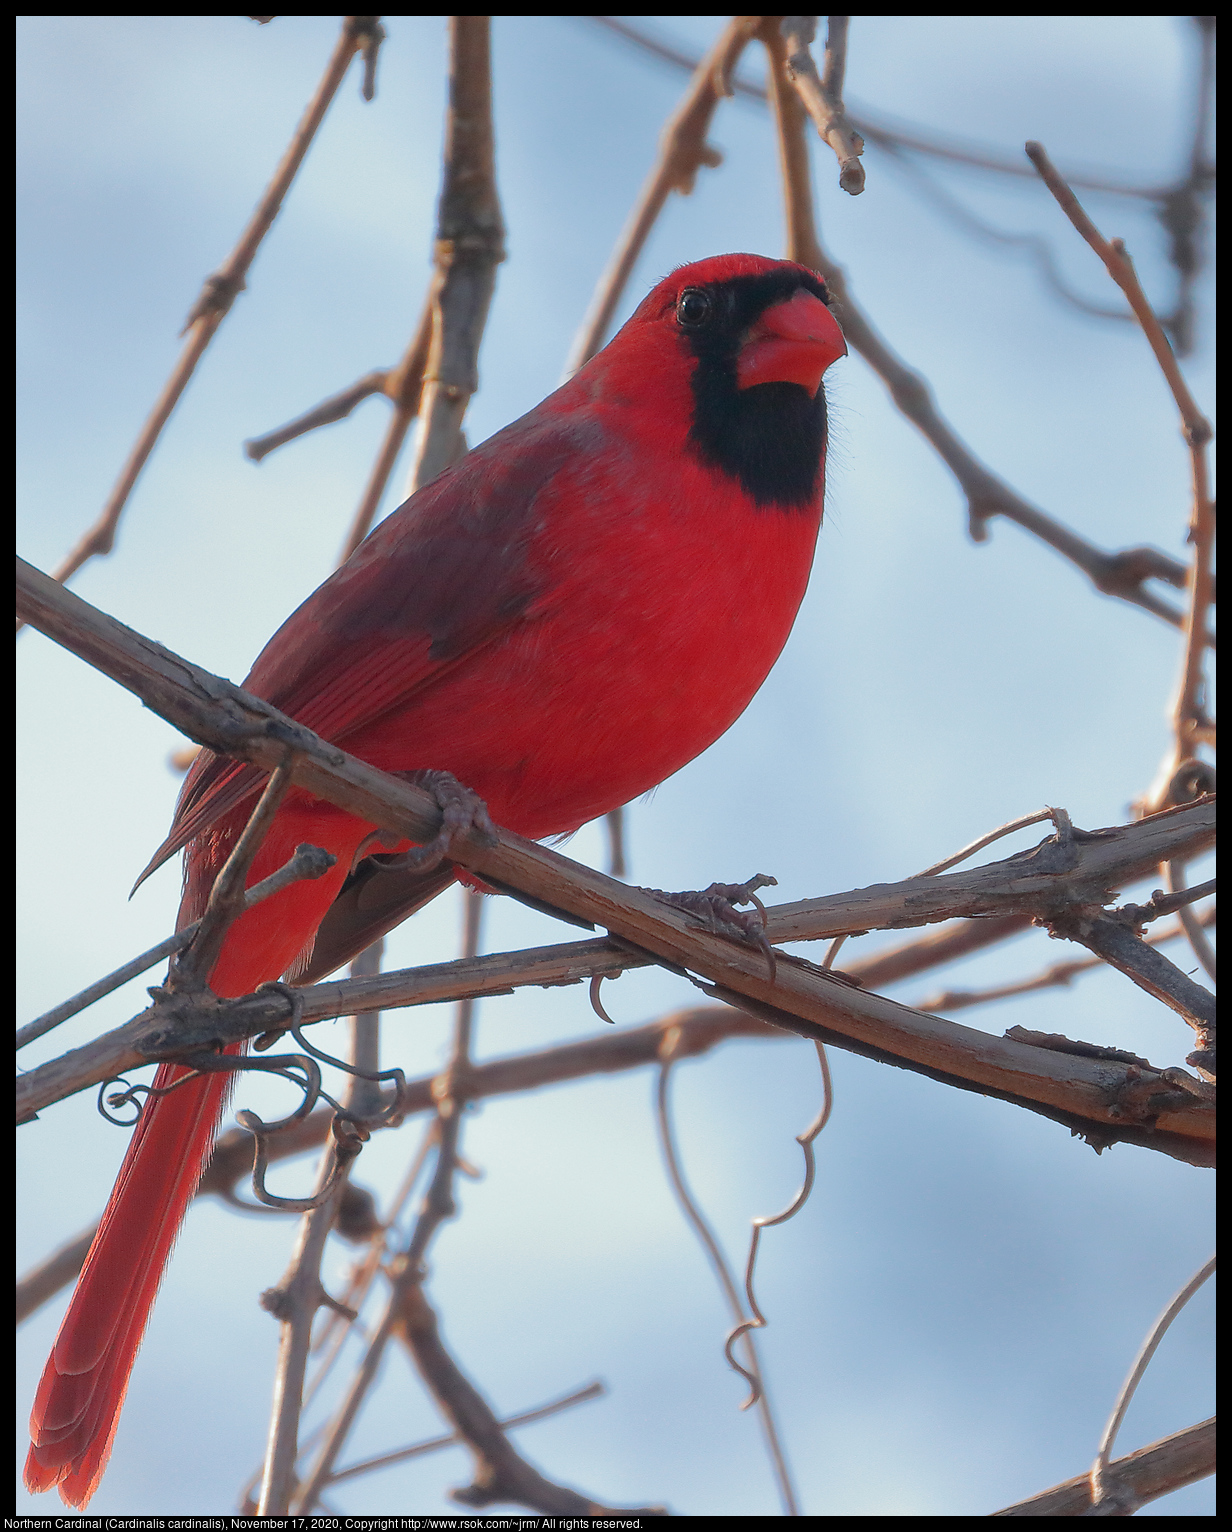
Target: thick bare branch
[
  {"x": 1056, "y": 975},
  {"x": 1164, "y": 1466},
  {"x": 800, "y": 997},
  {"x": 1118, "y": 943}
]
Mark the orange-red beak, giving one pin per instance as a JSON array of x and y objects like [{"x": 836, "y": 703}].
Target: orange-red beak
[{"x": 793, "y": 342}]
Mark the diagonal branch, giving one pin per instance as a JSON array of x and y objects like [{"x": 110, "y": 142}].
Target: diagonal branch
[
  {"x": 1166, "y": 1465},
  {"x": 1116, "y": 940},
  {"x": 500, "y": 1475},
  {"x": 799, "y": 997},
  {"x": 359, "y": 33},
  {"x": 822, "y": 94},
  {"x": 1122, "y": 574},
  {"x": 683, "y": 151}
]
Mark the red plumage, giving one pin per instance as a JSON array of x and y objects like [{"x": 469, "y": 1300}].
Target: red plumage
[{"x": 562, "y": 620}]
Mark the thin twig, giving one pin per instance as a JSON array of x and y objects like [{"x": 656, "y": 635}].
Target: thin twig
[
  {"x": 1192, "y": 922},
  {"x": 306, "y": 862},
  {"x": 822, "y": 94},
  {"x": 1190, "y": 723},
  {"x": 295, "y": 1302},
  {"x": 727, "y": 1282},
  {"x": 501, "y": 1474},
  {"x": 1121, "y": 574},
  {"x": 327, "y": 413},
  {"x": 1121, "y": 270},
  {"x": 594, "y": 1390},
  {"x": 405, "y": 387},
  {"x": 336, "y": 1327},
  {"x": 1055, "y": 976},
  {"x": 438, "y": 1205},
  {"x": 683, "y": 150},
  {"x": 1101, "y": 1490},
  {"x": 879, "y": 131},
  {"x": 219, "y": 292},
  {"x": 226, "y": 901}
]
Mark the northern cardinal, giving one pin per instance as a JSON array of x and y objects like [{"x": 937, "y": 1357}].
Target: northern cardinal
[{"x": 563, "y": 619}]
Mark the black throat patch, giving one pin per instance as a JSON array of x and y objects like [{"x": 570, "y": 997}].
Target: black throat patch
[{"x": 772, "y": 437}]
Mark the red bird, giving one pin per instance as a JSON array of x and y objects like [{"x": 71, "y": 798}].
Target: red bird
[{"x": 566, "y": 617}]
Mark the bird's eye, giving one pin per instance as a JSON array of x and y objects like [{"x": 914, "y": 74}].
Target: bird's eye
[{"x": 694, "y": 308}]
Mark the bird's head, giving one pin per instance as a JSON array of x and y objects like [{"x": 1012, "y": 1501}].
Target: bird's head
[
  {"x": 753, "y": 338},
  {"x": 759, "y": 321}
]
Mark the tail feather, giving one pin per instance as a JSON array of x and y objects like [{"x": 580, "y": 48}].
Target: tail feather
[
  {"x": 77, "y": 1406},
  {"x": 83, "y": 1386}
]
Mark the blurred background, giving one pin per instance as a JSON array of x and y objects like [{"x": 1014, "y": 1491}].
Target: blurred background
[{"x": 953, "y": 1313}]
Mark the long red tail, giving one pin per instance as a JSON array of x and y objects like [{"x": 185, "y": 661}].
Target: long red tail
[{"x": 78, "y": 1403}]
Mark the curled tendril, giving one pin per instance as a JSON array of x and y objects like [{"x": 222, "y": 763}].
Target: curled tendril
[
  {"x": 596, "y": 1005},
  {"x": 303, "y": 1070},
  {"x": 109, "y": 1106},
  {"x": 348, "y": 1140},
  {"x": 384, "y": 1118},
  {"x": 758, "y": 1321}
]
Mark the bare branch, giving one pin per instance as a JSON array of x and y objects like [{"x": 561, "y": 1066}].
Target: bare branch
[
  {"x": 1192, "y": 922},
  {"x": 500, "y": 1474},
  {"x": 220, "y": 291},
  {"x": 327, "y": 413},
  {"x": 470, "y": 244},
  {"x": 912, "y": 136},
  {"x": 803, "y": 999},
  {"x": 822, "y": 95},
  {"x": 307, "y": 862},
  {"x": 1055, "y": 976},
  {"x": 1166, "y": 1465},
  {"x": 1102, "y": 1487},
  {"x": 1189, "y": 718},
  {"x": 404, "y": 385},
  {"x": 1121, "y": 574},
  {"x": 294, "y": 1302},
  {"x": 1115, "y": 939},
  {"x": 42, "y": 1282},
  {"x": 1049, "y": 880},
  {"x": 578, "y": 1396},
  {"x": 683, "y": 151}
]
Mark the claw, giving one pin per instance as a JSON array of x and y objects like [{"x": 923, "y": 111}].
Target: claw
[
  {"x": 713, "y": 907},
  {"x": 462, "y": 813}
]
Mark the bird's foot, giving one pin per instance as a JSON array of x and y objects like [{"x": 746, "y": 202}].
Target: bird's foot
[
  {"x": 714, "y": 908},
  {"x": 463, "y": 812}
]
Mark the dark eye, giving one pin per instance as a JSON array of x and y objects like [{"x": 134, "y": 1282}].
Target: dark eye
[{"x": 694, "y": 308}]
